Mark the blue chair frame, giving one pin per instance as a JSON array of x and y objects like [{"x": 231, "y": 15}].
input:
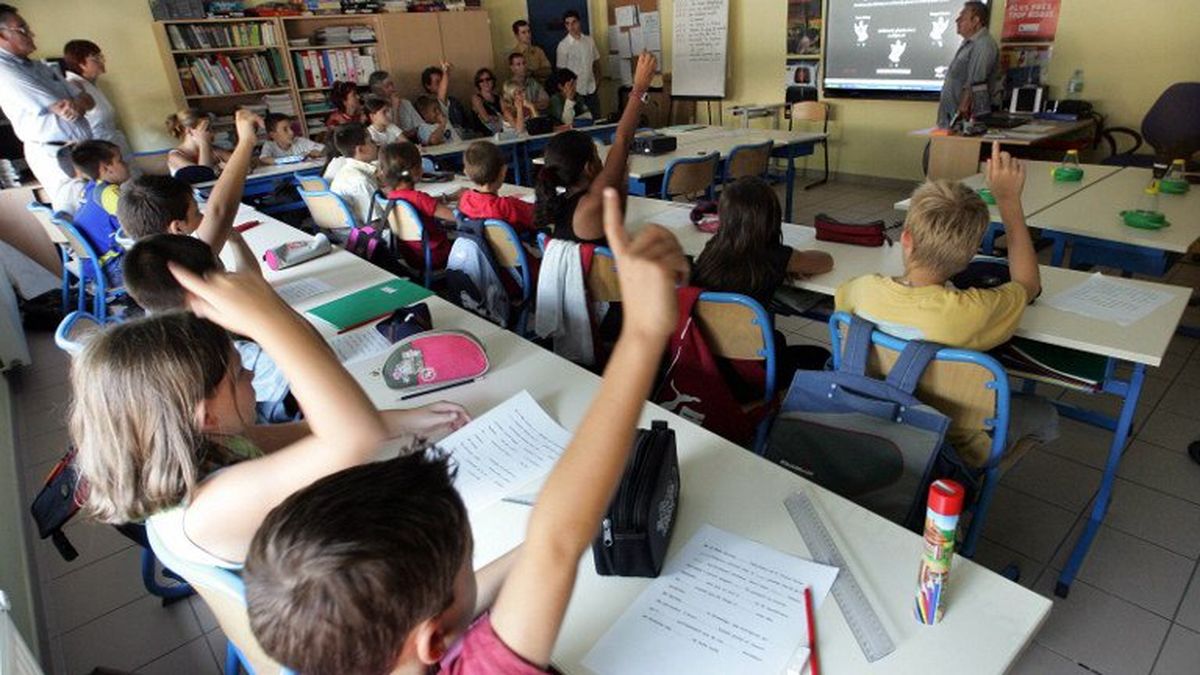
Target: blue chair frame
[
  {"x": 101, "y": 293},
  {"x": 671, "y": 166},
  {"x": 41, "y": 210},
  {"x": 221, "y": 580},
  {"x": 347, "y": 215},
  {"x": 768, "y": 351},
  {"x": 524, "y": 277},
  {"x": 411, "y": 212},
  {"x": 997, "y": 426},
  {"x": 748, "y": 147},
  {"x": 64, "y": 329}
]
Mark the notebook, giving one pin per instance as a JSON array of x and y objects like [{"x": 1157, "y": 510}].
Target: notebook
[{"x": 370, "y": 303}]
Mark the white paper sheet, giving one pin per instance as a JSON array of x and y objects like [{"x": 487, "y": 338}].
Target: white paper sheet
[
  {"x": 627, "y": 15},
  {"x": 1109, "y": 299},
  {"x": 621, "y": 45},
  {"x": 626, "y": 72},
  {"x": 614, "y": 65},
  {"x": 504, "y": 449},
  {"x": 658, "y": 62},
  {"x": 359, "y": 344},
  {"x": 302, "y": 289},
  {"x": 673, "y": 218},
  {"x": 614, "y": 36},
  {"x": 442, "y": 189},
  {"x": 652, "y": 30},
  {"x": 637, "y": 43},
  {"x": 724, "y": 604}
]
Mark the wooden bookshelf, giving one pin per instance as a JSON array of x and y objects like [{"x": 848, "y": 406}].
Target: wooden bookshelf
[{"x": 405, "y": 44}]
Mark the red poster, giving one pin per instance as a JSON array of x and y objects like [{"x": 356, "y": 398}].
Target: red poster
[{"x": 1030, "y": 20}]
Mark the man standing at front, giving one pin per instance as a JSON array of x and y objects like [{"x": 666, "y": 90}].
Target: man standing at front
[
  {"x": 535, "y": 59},
  {"x": 46, "y": 113},
  {"x": 976, "y": 63},
  {"x": 578, "y": 53}
]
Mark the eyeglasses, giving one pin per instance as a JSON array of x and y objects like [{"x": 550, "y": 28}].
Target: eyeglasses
[{"x": 485, "y": 79}]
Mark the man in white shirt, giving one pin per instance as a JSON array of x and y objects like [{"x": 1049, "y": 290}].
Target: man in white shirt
[
  {"x": 355, "y": 181},
  {"x": 578, "y": 53},
  {"x": 46, "y": 113}
]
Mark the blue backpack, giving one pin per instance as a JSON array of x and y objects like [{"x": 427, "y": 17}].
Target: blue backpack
[{"x": 869, "y": 440}]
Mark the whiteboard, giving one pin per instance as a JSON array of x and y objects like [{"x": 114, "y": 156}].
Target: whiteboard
[{"x": 701, "y": 30}]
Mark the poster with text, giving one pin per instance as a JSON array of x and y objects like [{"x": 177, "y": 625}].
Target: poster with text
[{"x": 1030, "y": 20}]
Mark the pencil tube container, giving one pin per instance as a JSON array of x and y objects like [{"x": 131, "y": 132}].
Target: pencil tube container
[
  {"x": 945, "y": 504},
  {"x": 295, "y": 252}
]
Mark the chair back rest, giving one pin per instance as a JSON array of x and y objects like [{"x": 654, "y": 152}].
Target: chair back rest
[
  {"x": 404, "y": 220},
  {"x": 328, "y": 210},
  {"x": 153, "y": 162},
  {"x": 602, "y": 284},
  {"x": 42, "y": 214},
  {"x": 690, "y": 175},
  {"x": 74, "y": 330},
  {"x": 225, "y": 594},
  {"x": 810, "y": 111},
  {"x": 749, "y": 160},
  {"x": 737, "y": 327},
  {"x": 971, "y": 388},
  {"x": 509, "y": 252},
  {"x": 313, "y": 182},
  {"x": 74, "y": 239},
  {"x": 1169, "y": 127}
]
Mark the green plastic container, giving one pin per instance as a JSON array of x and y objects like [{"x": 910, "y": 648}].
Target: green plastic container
[
  {"x": 986, "y": 195},
  {"x": 1173, "y": 187},
  {"x": 1145, "y": 220},
  {"x": 1067, "y": 174}
]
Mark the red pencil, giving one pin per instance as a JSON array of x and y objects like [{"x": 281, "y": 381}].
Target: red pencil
[
  {"x": 247, "y": 225},
  {"x": 815, "y": 662}
]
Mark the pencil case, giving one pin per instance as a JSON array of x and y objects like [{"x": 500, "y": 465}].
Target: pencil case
[
  {"x": 405, "y": 322},
  {"x": 434, "y": 359},
  {"x": 295, "y": 252},
  {"x": 704, "y": 216},
  {"x": 858, "y": 234},
  {"x": 636, "y": 530}
]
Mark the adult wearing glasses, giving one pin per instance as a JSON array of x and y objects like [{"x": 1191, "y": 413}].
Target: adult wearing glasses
[
  {"x": 84, "y": 63},
  {"x": 485, "y": 103},
  {"x": 46, "y": 113}
]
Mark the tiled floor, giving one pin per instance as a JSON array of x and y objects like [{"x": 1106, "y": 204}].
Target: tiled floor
[{"x": 1135, "y": 608}]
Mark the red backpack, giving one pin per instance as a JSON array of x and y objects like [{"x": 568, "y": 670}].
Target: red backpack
[{"x": 694, "y": 387}]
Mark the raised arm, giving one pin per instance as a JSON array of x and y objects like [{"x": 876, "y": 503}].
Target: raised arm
[
  {"x": 616, "y": 165},
  {"x": 529, "y": 610},
  {"x": 222, "y": 205},
  {"x": 345, "y": 427},
  {"x": 443, "y": 93},
  {"x": 1006, "y": 179}
]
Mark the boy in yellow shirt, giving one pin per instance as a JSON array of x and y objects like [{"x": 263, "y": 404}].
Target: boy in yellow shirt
[{"x": 945, "y": 223}]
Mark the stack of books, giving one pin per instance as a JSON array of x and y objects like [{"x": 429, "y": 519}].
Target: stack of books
[
  {"x": 321, "y": 68},
  {"x": 224, "y": 74},
  {"x": 279, "y": 103},
  {"x": 203, "y": 36},
  {"x": 332, "y": 35},
  {"x": 1060, "y": 366}
]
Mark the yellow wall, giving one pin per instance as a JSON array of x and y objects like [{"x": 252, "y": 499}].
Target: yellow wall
[
  {"x": 136, "y": 82},
  {"x": 1129, "y": 54}
]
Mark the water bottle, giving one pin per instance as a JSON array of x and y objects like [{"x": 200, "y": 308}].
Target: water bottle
[
  {"x": 1075, "y": 84},
  {"x": 1175, "y": 180},
  {"x": 1068, "y": 170},
  {"x": 944, "y": 505}
]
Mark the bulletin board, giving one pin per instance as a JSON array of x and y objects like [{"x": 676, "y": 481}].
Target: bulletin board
[{"x": 633, "y": 26}]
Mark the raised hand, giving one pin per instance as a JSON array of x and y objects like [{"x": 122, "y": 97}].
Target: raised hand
[
  {"x": 247, "y": 124},
  {"x": 898, "y": 48},
  {"x": 1005, "y": 176},
  {"x": 940, "y": 25},
  {"x": 652, "y": 263},
  {"x": 241, "y": 302},
  {"x": 644, "y": 73},
  {"x": 861, "y": 32}
]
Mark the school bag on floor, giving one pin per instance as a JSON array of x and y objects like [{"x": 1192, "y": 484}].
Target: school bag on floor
[{"x": 869, "y": 440}]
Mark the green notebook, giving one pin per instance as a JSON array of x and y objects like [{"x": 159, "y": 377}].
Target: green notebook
[{"x": 370, "y": 303}]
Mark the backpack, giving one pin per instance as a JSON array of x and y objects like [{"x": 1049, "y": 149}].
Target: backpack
[
  {"x": 371, "y": 241},
  {"x": 693, "y": 386},
  {"x": 869, "y": 440},
  {"x": 57, "y": 503},
  {"x": 472, "y": 281}
]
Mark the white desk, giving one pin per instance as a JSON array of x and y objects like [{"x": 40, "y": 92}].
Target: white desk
[
  {"x": 266, "y": 172},
  {"x": 723, "y": 485}
]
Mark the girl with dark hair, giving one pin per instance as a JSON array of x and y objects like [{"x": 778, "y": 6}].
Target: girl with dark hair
[
  {"x": 572, "y": 180},
  {"x": 747, "y": 256},
  {"x": 84, "y": 63},
  {"x": 485, "y": 103},
  {"x": 349, "y": 106}
]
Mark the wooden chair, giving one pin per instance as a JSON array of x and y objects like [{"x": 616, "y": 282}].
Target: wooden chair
[
  {"x": 225, "y": 594},
  {"x": 814, "y": 111},
  {"x": 153, "y": 163},
  {"x": 690, "y": 176},
  {"x": 313, "y": 182},
  {"x": 329, "y": 211},
  {"x": 748, "y": 160},
  {"x": 407, "y": 225},
  {"x": 602, "y": 284},
  {"x": 971, "y": 388},
  {"x": 512, "y": 258},
  {"x": 89, "y": 271},
  {"x": 737, "y": 327}
]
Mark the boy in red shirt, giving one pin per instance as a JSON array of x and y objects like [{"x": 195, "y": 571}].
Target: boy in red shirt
[
  {"x": 487, "y": 170},
  {"x": 369, "y": 570},
  {"x": 399, "y": 172}
]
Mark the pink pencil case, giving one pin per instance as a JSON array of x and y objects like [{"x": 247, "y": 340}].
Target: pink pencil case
[
  {"x": 295, "y": 252},
  {"x": 434, "y": 359}
]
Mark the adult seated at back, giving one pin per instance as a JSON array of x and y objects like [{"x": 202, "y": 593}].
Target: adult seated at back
[
  {"x": 535, "y": 57},
  {"x": 196, "y": 159},
  {"x": 572, "y": 181},
  {"x": 404, "y": 115},
  {"x": 533, "y": 91},
  {"x": 566, "y": 105},
  {"x": 485, "y": 103}
]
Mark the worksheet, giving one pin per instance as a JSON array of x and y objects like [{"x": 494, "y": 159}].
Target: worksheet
[
  {"x": 724, "y": 604},
  {"x": 504, "y": 449},
  {"x": 1107, "y": 299},
  {"x": 302, "y": 289},
  {"x": 359, "y": 344}
]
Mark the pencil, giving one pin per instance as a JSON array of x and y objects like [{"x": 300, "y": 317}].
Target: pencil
[{"x": 812, "y": 633}]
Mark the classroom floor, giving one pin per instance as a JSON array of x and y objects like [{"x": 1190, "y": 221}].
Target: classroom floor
[{"x": 1135, "y": 608}]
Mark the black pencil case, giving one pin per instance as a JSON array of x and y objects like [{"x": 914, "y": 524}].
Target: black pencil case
[{"x": 636, "y": 530}]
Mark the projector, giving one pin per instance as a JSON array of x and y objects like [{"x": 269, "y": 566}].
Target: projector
[{"x": 653, "y": 144}]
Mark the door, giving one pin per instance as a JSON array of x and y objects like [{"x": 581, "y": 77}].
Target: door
[{"x": 545, "y": 22}]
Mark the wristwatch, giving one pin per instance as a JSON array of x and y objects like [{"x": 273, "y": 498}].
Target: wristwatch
[{"x": 643, "y": 95}]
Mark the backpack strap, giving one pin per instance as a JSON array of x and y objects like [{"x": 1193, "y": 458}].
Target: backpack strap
[
  {"x": 911, "y": 364},
  {"x": 857, "y": 347}
]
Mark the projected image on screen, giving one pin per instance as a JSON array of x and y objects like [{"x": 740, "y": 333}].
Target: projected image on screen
[{"x": 889, "y": 47}]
